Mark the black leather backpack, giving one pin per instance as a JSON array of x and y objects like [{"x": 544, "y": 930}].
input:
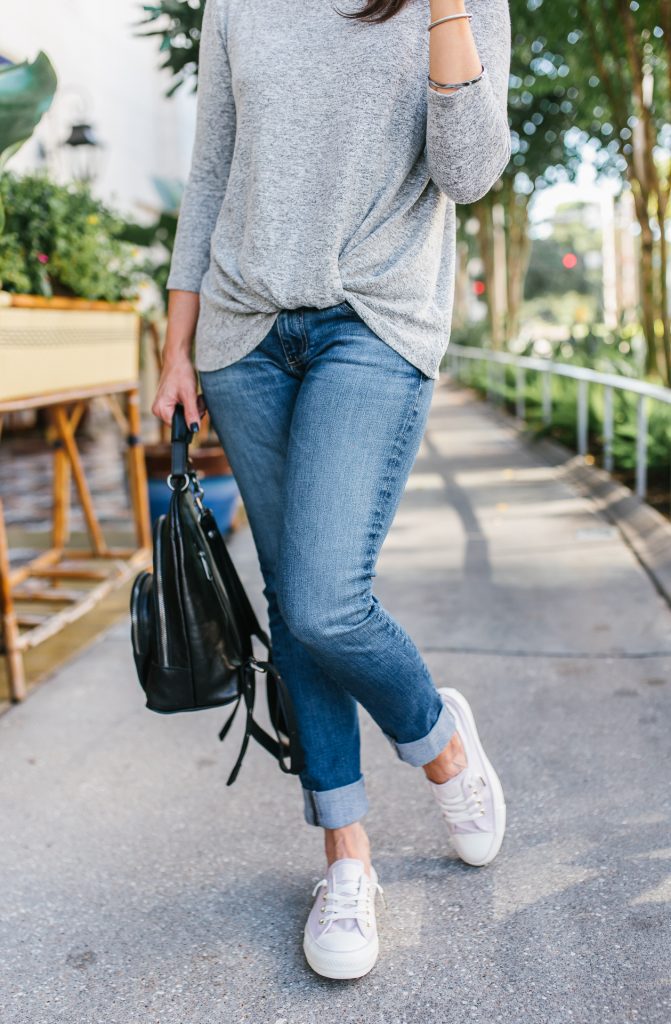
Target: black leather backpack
[{"x": 192, "y": 625}]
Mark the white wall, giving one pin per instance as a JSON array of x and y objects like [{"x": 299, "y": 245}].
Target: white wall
[{"x": 92, "y": 45}]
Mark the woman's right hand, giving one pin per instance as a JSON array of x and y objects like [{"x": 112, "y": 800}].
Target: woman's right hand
[{"x": 177, "y": 383}]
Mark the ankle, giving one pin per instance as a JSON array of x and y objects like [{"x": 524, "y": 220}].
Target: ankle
[
  {"x": 450, "y": 762},
  {"x": 350, "y": 841}
]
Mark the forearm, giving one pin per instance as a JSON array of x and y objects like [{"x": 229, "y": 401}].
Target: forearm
[
  {"x": 183, "y": 308},
  {"x": 467, "y": 135},
  {"x": 453, "y": 55}
]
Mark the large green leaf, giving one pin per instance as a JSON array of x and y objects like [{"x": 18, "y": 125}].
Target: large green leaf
[{"x": 26, "y": 92}]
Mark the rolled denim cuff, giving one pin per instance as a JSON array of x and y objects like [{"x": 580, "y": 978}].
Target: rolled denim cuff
[
  {"x": 335, "y": 808},
  {"x": 421, "y": 751}
]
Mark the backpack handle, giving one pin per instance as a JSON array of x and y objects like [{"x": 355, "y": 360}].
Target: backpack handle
[{"x": 180, "y": 439}]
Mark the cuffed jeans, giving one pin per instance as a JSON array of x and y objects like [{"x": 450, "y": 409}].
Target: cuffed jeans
[{"x": 321, "y": 423}]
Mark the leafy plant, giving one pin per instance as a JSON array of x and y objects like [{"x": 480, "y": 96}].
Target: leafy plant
[
  {"x": 60, "y": 240},
  {"x": 158, "y": 238},
  {"x": 26, "y": 92},
  {"x": 177, "y": 24}
]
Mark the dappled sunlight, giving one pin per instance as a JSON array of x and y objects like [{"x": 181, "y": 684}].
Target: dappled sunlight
[
  {"x": 537, "y": 874},
  {"x": 425, "y": 482},
  {"x": 664, "y": 854},
  {"x": 528, "y": 475},
  {"x": 658, "y": 894}
]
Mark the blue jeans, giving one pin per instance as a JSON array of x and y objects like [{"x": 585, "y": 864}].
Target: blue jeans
[{"x": 322, "y": 422}]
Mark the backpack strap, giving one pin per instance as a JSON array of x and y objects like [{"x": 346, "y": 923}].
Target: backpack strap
[
  {"x": 288, "y": 753},
  {"x": 248, "y": 694},
  {"x": 247, "y": 614}
]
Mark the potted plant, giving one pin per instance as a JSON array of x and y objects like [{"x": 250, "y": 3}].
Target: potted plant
[
  {"x": 67, "y": 280},
  {"x": 62, "y": 270}
]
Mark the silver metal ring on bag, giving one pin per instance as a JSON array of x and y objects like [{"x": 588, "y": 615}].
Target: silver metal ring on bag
[{"x": 172, "y": 486}]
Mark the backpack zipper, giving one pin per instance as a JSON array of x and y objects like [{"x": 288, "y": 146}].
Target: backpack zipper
[
  {"x": 160, "y": 600},
  {"x": 134, "y": 615}
]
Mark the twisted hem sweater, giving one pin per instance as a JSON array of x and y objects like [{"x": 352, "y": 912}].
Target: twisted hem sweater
[{"x": 325, "y": 168}]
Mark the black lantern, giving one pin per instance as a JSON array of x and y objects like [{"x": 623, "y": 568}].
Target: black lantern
[{"x": 84, "y": 152}]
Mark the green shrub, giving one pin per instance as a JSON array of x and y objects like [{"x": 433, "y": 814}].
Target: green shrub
[{"x": 60, "y": 240}]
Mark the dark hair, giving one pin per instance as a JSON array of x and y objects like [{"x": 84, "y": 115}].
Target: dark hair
[{"x": 377, "y": 10}]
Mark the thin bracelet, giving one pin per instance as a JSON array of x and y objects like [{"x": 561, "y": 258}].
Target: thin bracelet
[
  {"x": 457, "y": 85},
  {"x": 449, "y": 17}
]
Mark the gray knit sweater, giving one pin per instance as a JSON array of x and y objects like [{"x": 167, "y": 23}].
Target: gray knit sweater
[{"x": 325, "y": 168}]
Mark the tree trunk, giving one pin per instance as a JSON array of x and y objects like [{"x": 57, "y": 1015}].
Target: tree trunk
[
  {"x": 461, "y": 285},
  {"x": 519, "y": 248},
  {"x": 644, "y": 139},
  {"x": 662, "y": 207},
  {"x": 647, "y": 277},
  {"x": 483, "y": 212},
  {"x": 641, "y": 171}
]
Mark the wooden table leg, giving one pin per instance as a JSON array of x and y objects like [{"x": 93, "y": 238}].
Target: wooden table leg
[
  {"x": 60, "y": 529},
  {"x": 10, "y": 629},
  {"x": 65, "y": 430}
]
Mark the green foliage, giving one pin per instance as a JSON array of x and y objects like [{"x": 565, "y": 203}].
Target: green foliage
[
  {"x": 60, "y": 240},
  {"x": 572, "y": 83},
  {"x": 158, "y": 238},
  {"x": 161, "y": 233},
  {"x": 476, "y": 334},
  {"x": 547, "y": 274},
  {"x": 560, "y": 309},
  {"x": 13, "y": 276},
  {"x": 542, "y": 96},
  {"x": 610, "y": 41},
  {"x": 574, "y": 230},
  {"x": 26, "y": 92},
  {"x": 177, "y": 23}
]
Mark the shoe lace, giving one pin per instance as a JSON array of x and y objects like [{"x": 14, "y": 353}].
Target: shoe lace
[
  {"x": 341, "y": 906},
  {"x": 467, "y": 805}
]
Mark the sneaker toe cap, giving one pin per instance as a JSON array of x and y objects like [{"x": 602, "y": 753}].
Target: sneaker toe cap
[
  {"x": 339, "y": 941},
  {"x": 476, "y": 848}
]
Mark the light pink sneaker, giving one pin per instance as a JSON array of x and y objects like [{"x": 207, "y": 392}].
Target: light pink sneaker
[
  {"x": 471, "y": 803},
  {"x": 340, "y": 938}
]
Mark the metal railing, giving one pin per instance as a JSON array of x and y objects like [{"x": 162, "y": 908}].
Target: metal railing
[{"x": 496, "y": 363}]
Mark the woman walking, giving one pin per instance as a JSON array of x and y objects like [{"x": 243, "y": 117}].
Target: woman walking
[{"x": 314, "y": 264}]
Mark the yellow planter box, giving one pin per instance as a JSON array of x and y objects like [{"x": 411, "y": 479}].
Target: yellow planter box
[{"x": 49, "y": 346}]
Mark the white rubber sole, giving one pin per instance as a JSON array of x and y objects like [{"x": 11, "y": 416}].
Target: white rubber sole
[
  {"x": 340, "y": 966},
  {"x": 493, "y": 780}
]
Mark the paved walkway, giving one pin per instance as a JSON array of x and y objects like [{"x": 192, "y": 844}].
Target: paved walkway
[{"x": 137, "y": 889}]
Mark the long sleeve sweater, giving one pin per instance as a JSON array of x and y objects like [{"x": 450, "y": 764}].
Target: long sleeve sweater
[{"x": 325, "y": 168}]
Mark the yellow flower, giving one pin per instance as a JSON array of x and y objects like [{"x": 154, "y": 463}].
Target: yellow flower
[{"x": 92, "y": 218}]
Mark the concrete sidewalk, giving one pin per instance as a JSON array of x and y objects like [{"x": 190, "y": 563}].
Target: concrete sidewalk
[{"x": 137, "y": 889}]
